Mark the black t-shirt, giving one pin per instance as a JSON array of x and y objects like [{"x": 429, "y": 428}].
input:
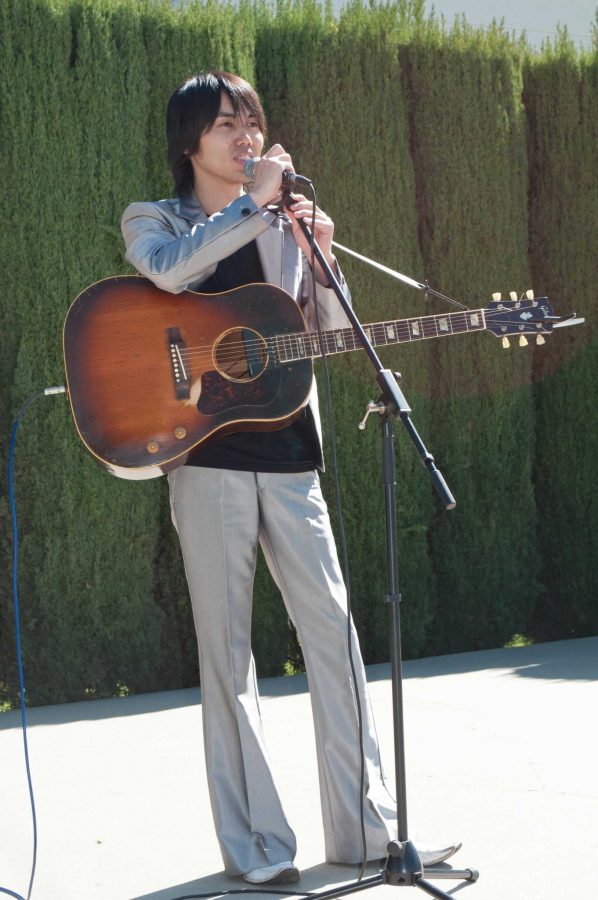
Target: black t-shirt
[{"x": 290, "y": 449}]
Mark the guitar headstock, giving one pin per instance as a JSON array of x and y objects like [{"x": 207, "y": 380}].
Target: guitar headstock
[{"x": 520, "y": 316}]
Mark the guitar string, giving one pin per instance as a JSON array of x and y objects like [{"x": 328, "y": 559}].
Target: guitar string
[
  {"x": 332, "y": 334},
  {"x": 289, "y": 347},
  {"x": 336, "y": 339},
  {"x": 423, "y": 321},
  {"x": 395, "y": 324},
  {"x": 290, "y": 354}
]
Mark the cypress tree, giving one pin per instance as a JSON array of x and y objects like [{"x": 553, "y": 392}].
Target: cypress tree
[
  {"x": 469, "y": 156},
  {"x": 82, "y": 597},
  {"x": 561, "y": 98}
]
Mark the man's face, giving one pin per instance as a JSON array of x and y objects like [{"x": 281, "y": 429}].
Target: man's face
[{"x": 225, "y": 147}]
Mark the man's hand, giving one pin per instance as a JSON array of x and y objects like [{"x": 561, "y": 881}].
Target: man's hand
[
  {"x": 300, "y": 208},
  {"x": 267, "y": 188},
  {"x": 267, "y": 184}
]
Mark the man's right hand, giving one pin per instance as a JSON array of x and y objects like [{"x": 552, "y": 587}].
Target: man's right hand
[{"x": 267, "y": 184}]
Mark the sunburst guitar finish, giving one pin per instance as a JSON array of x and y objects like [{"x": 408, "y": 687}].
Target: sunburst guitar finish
[{"x": 153, "y": 374}]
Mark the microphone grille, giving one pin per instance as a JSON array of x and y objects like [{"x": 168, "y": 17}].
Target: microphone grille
[{"x": 249, "y": 167}]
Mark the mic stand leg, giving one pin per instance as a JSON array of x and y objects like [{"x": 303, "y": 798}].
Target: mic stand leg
[{"x": 403, "y": 866}]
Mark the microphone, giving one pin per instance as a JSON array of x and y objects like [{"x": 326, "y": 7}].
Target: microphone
[{"x": 289, "y": 179}]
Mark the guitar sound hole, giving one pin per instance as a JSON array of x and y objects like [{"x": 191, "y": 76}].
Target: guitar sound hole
[{"x": 241, "y": 354}]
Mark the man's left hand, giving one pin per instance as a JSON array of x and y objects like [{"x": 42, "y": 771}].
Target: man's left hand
[{"x": 299, "y": 207}]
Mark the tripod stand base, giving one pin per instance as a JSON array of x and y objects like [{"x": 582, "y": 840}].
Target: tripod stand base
[{"x": 403, "y": 868}]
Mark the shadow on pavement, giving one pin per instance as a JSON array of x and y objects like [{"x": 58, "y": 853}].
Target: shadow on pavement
[{"x": 557, "y": 661}]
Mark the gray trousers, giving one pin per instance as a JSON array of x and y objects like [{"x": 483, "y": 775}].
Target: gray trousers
[{"x": 220, "y": 516}]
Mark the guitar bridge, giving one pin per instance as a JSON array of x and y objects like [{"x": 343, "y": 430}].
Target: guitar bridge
[{"x": 179, "y": 366}]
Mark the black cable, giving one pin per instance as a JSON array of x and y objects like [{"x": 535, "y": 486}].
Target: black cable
[
  {"x": 342, "y": 534},
  {"x": 226, "y": 893},
  {"x": 277, "y": 893}
]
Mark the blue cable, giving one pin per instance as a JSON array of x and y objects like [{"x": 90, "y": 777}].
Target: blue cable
[{"x": 15, "y": 563}]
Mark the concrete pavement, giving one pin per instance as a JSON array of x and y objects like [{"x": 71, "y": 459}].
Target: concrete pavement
[{"x": 501, "y": 753}]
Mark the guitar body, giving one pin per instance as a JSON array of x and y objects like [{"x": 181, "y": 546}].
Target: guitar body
[{"x": 152, "y": 374}]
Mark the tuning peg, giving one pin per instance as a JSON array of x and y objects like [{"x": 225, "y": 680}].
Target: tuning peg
[
  {"x": 529, "y": 294},
  {"x": 497, "y": 296},
  {"x": 522, "y": 341},
  {"x": 505, "y": 342},
  {"x": 540, "y": 340},
  {"x": 513, "y": 295}
]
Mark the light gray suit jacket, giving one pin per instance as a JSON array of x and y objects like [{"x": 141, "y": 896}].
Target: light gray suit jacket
[{"x": 177, "y": 246}]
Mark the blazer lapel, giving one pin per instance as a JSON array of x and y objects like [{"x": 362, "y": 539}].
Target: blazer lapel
[
  {"x": 270, "y": 247},
  {"x": 277, "y": 250}
]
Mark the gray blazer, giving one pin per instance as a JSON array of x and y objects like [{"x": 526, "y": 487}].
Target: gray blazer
[{"x": 175, "y": 245}]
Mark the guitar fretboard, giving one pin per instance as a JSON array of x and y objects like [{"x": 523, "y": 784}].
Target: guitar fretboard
[{"x": 306, "y": 344}]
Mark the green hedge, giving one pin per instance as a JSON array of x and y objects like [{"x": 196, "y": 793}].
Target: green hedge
[
  {"x": 561, "y": 96},
  {"x": 469, "y": 153},
  {"x": 456, "y": 156}
]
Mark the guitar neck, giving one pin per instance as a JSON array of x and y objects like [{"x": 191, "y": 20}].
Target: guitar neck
[{"x": 306, "y": 345}]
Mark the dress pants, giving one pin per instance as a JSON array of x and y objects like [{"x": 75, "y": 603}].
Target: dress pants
[{"x": 220, "y": 516}]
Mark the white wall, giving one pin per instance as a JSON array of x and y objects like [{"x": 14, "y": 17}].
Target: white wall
[{"x": 538, "y": 18}]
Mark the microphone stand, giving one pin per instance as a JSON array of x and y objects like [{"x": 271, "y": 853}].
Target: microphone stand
[{"x": 403, "y": 866}]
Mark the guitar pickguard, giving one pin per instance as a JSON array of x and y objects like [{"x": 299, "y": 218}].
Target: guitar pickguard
[{"x": 219, "y": 395}]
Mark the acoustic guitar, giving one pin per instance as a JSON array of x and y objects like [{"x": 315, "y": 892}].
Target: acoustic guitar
[{"x": 152, "y": 374}]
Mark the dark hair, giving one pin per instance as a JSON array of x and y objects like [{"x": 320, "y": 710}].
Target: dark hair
[{"x": 192, "y": 110}]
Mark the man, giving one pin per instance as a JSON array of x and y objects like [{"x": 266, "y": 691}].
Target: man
[{"x": 259, "y": 486}]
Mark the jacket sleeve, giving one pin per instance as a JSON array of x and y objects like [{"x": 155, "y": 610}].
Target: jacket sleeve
[
  {"x": 330, "y": 311},
  {"x": 174, "y": 261}
]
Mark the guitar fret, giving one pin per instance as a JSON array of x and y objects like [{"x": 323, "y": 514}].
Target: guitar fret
[
  {"x": 284, "y": 349},
  {"x": 416, "y": 328},
  {"x": 304, "y": 345},
  {"x": 381, "y": 335},
  {"x": 429, "y": 327}
]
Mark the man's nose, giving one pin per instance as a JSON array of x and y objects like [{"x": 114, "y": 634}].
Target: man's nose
[{"x": 243, "y": 133}]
